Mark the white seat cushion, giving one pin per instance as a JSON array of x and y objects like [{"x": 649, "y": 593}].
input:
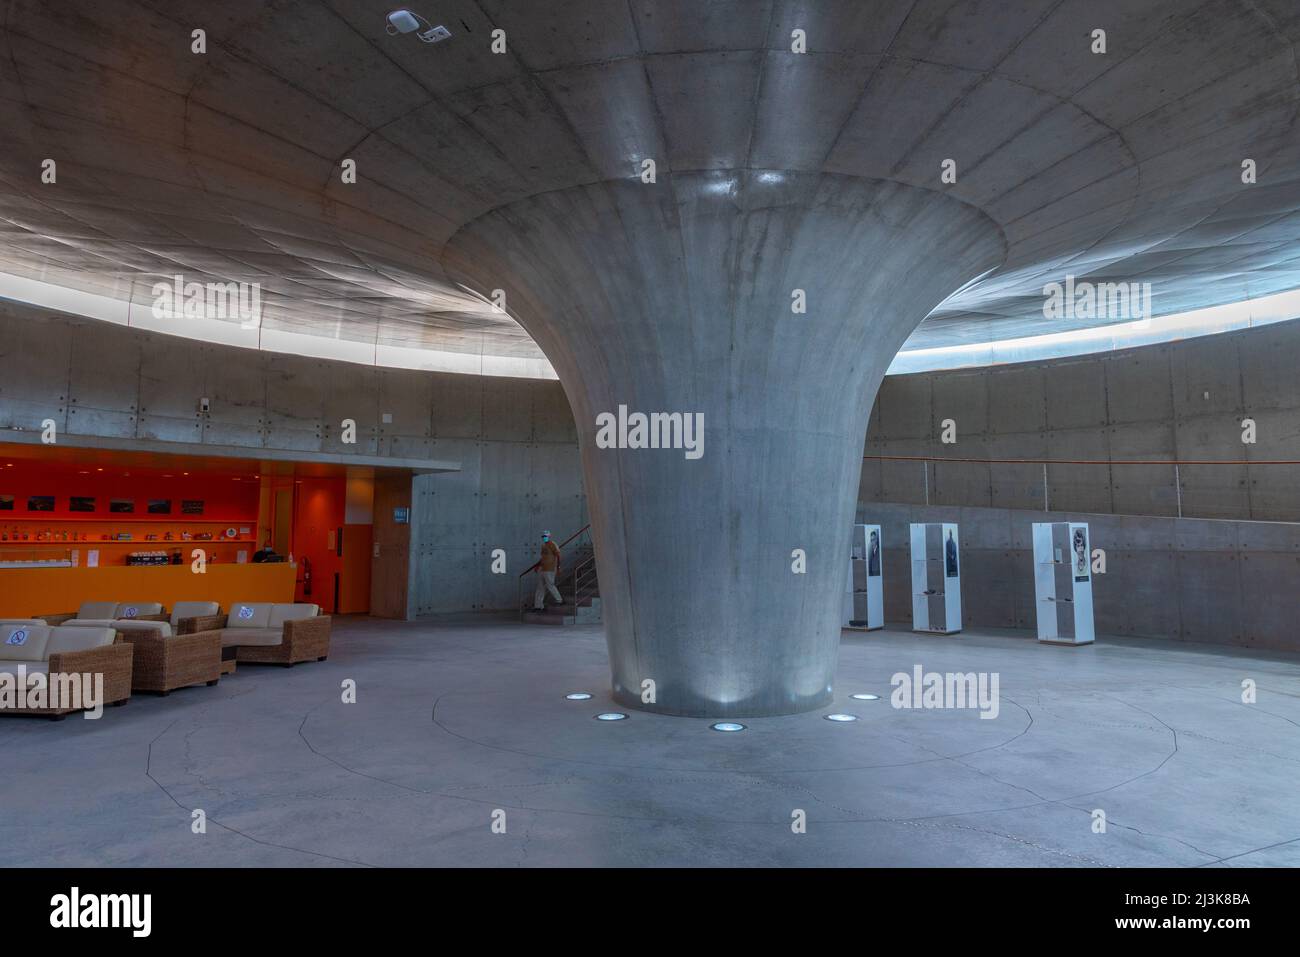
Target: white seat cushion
[
  {"x": 193, "y": 609},
  {"x": 21, "y": 621},
  {"x": 282, "y": 613},
  {"x": 263, "y": 637},
  {"x": 97, "y": 609},
  {"x": 249, "y": 615},
  {"x": 10, "y": 667},
  {"x": 24, "y": 642},
  {"x": 122, "y": 624},
  {"x": 81, "y": 638},
  {"x": 135, "y": 609}
]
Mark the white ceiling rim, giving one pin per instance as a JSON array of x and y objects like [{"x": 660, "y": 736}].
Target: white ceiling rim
[{"x": 1076, "y": 342}]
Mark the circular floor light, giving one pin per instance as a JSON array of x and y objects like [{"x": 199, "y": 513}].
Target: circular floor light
[
  {"x": 727, "y": 726},
  {"x": 841, "y": 717},
  {"x": 611, "y": 716},
  {"x": 865, "y": 697},
  {"x": 577, "y": 696}
]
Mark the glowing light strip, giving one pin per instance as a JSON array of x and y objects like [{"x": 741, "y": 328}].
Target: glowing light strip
[
  {"x": 1124, "y": 335},
  {"x": 1121, "y": 335},
  {"x": 120, "y": 312}
]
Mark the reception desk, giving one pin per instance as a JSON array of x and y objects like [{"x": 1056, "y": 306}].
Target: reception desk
[{"x": 25, "y": 592}]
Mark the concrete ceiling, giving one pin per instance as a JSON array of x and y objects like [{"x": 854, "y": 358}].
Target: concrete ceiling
[{"x": 226, "y": 165}]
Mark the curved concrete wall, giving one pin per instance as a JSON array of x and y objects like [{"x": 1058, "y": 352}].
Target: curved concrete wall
[
  {"x": 1178, "y": 401},
  {"x": 1189, "y": 579}
]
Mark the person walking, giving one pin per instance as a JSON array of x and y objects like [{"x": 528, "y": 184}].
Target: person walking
[{"x": 547, "y": 566}]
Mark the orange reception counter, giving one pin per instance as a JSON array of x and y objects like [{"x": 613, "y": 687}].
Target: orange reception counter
[{"x": 25, "y": 592}]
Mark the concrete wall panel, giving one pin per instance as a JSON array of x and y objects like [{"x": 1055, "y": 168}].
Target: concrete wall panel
[
  {"x": 1075, "y": 394},
  {"x": 1268, "y": 587},
  {"x": 1017, "y": 400},
  {"x": 295, "y": 400},
  {"x": 1206, "y": 377},
  {"x": 906, "y": 410},
  {"x": 457, "y": 402},
  {"x": 1209, "y": 596},
  {"x": 173, "y": 378},
  {"x": 964, "y": 398},
  {"x": 1138, "y": 386}
]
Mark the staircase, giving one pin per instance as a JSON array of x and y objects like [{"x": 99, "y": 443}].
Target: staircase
[{"x": 577, "y": 583}]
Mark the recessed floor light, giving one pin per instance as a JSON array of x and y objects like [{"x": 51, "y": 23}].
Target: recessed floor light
[
  {"x": 611, "y": 716},
  {"x": 841, "y": 717},
  {"x": 577, "y": 696},
  {"x": 865, "y": 697},
  {"x": 727, "y": 726}
]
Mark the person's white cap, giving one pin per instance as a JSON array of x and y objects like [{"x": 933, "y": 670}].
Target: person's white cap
[{"x": 546, "y": 533}]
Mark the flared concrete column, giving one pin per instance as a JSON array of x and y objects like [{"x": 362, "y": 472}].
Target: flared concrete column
[{"x": 684, "y": 296}]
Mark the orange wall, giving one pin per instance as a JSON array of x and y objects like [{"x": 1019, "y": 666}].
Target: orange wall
[
  {"x": 225, "y": 498},
  {"x": 318, "y": 520},
  {"x": 354, "y": 590},
  {"x": 27, "y": 592},
  {"x": 228, "y": 503}
]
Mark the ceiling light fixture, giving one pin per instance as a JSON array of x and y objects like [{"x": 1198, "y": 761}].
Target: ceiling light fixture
[
  {"x": 865, "y": 697},
  {"x": 577, "y": 696},
  {"x": 841, "y": 717},
  {"x": 727, "y": 726},
  {"x": 404, "y": 21},
  {"x": 611, "y": 716}
]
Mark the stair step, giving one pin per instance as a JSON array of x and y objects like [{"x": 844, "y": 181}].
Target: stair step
[
  {"x": 542, "y": 618},
  {"x": 566, "y": 614}
]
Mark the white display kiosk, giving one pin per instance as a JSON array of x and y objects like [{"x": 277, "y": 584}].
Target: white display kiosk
[
  {"x": 1063, "y": 582},
  {"x": 864, "y": 600},
  {"x": 936, "y": 578}
]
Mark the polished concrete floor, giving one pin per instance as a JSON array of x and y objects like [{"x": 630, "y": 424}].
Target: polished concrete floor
[{"x": 456, "y": 721}]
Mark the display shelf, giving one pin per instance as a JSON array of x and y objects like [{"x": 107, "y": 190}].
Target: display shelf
[{"x": 9, "y": 517}]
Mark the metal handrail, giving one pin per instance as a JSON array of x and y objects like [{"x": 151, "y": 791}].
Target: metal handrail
[
  {"x": 534, "y": 565},
  {"x": 581, "y": 573},
  {"x": 972, "y": 461}
]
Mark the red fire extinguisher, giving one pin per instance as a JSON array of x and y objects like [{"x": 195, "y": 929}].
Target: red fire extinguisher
[{"x": 306, "y": 577}]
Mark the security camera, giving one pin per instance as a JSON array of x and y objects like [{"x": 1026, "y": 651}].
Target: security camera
[{"x": 404, "y": 21}]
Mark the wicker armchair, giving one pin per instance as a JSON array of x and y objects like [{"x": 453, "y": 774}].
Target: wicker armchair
[
  {"x": 305, "y": 639},
  {"x": 165, "y": 663}
]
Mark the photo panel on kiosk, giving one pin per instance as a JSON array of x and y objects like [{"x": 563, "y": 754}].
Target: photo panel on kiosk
[
  {"x": 936, "y": 577},
  {"x": 864, "y": 599},
  {"x": 1063, "y": 583}
]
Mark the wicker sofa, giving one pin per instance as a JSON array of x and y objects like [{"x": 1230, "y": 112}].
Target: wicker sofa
[
  {"x": 275, "y": 634},
  {"x": 55, "y": 651}
]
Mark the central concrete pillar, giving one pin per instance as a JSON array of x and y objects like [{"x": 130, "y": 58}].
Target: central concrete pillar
[{"x": 770, "y": 304}]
